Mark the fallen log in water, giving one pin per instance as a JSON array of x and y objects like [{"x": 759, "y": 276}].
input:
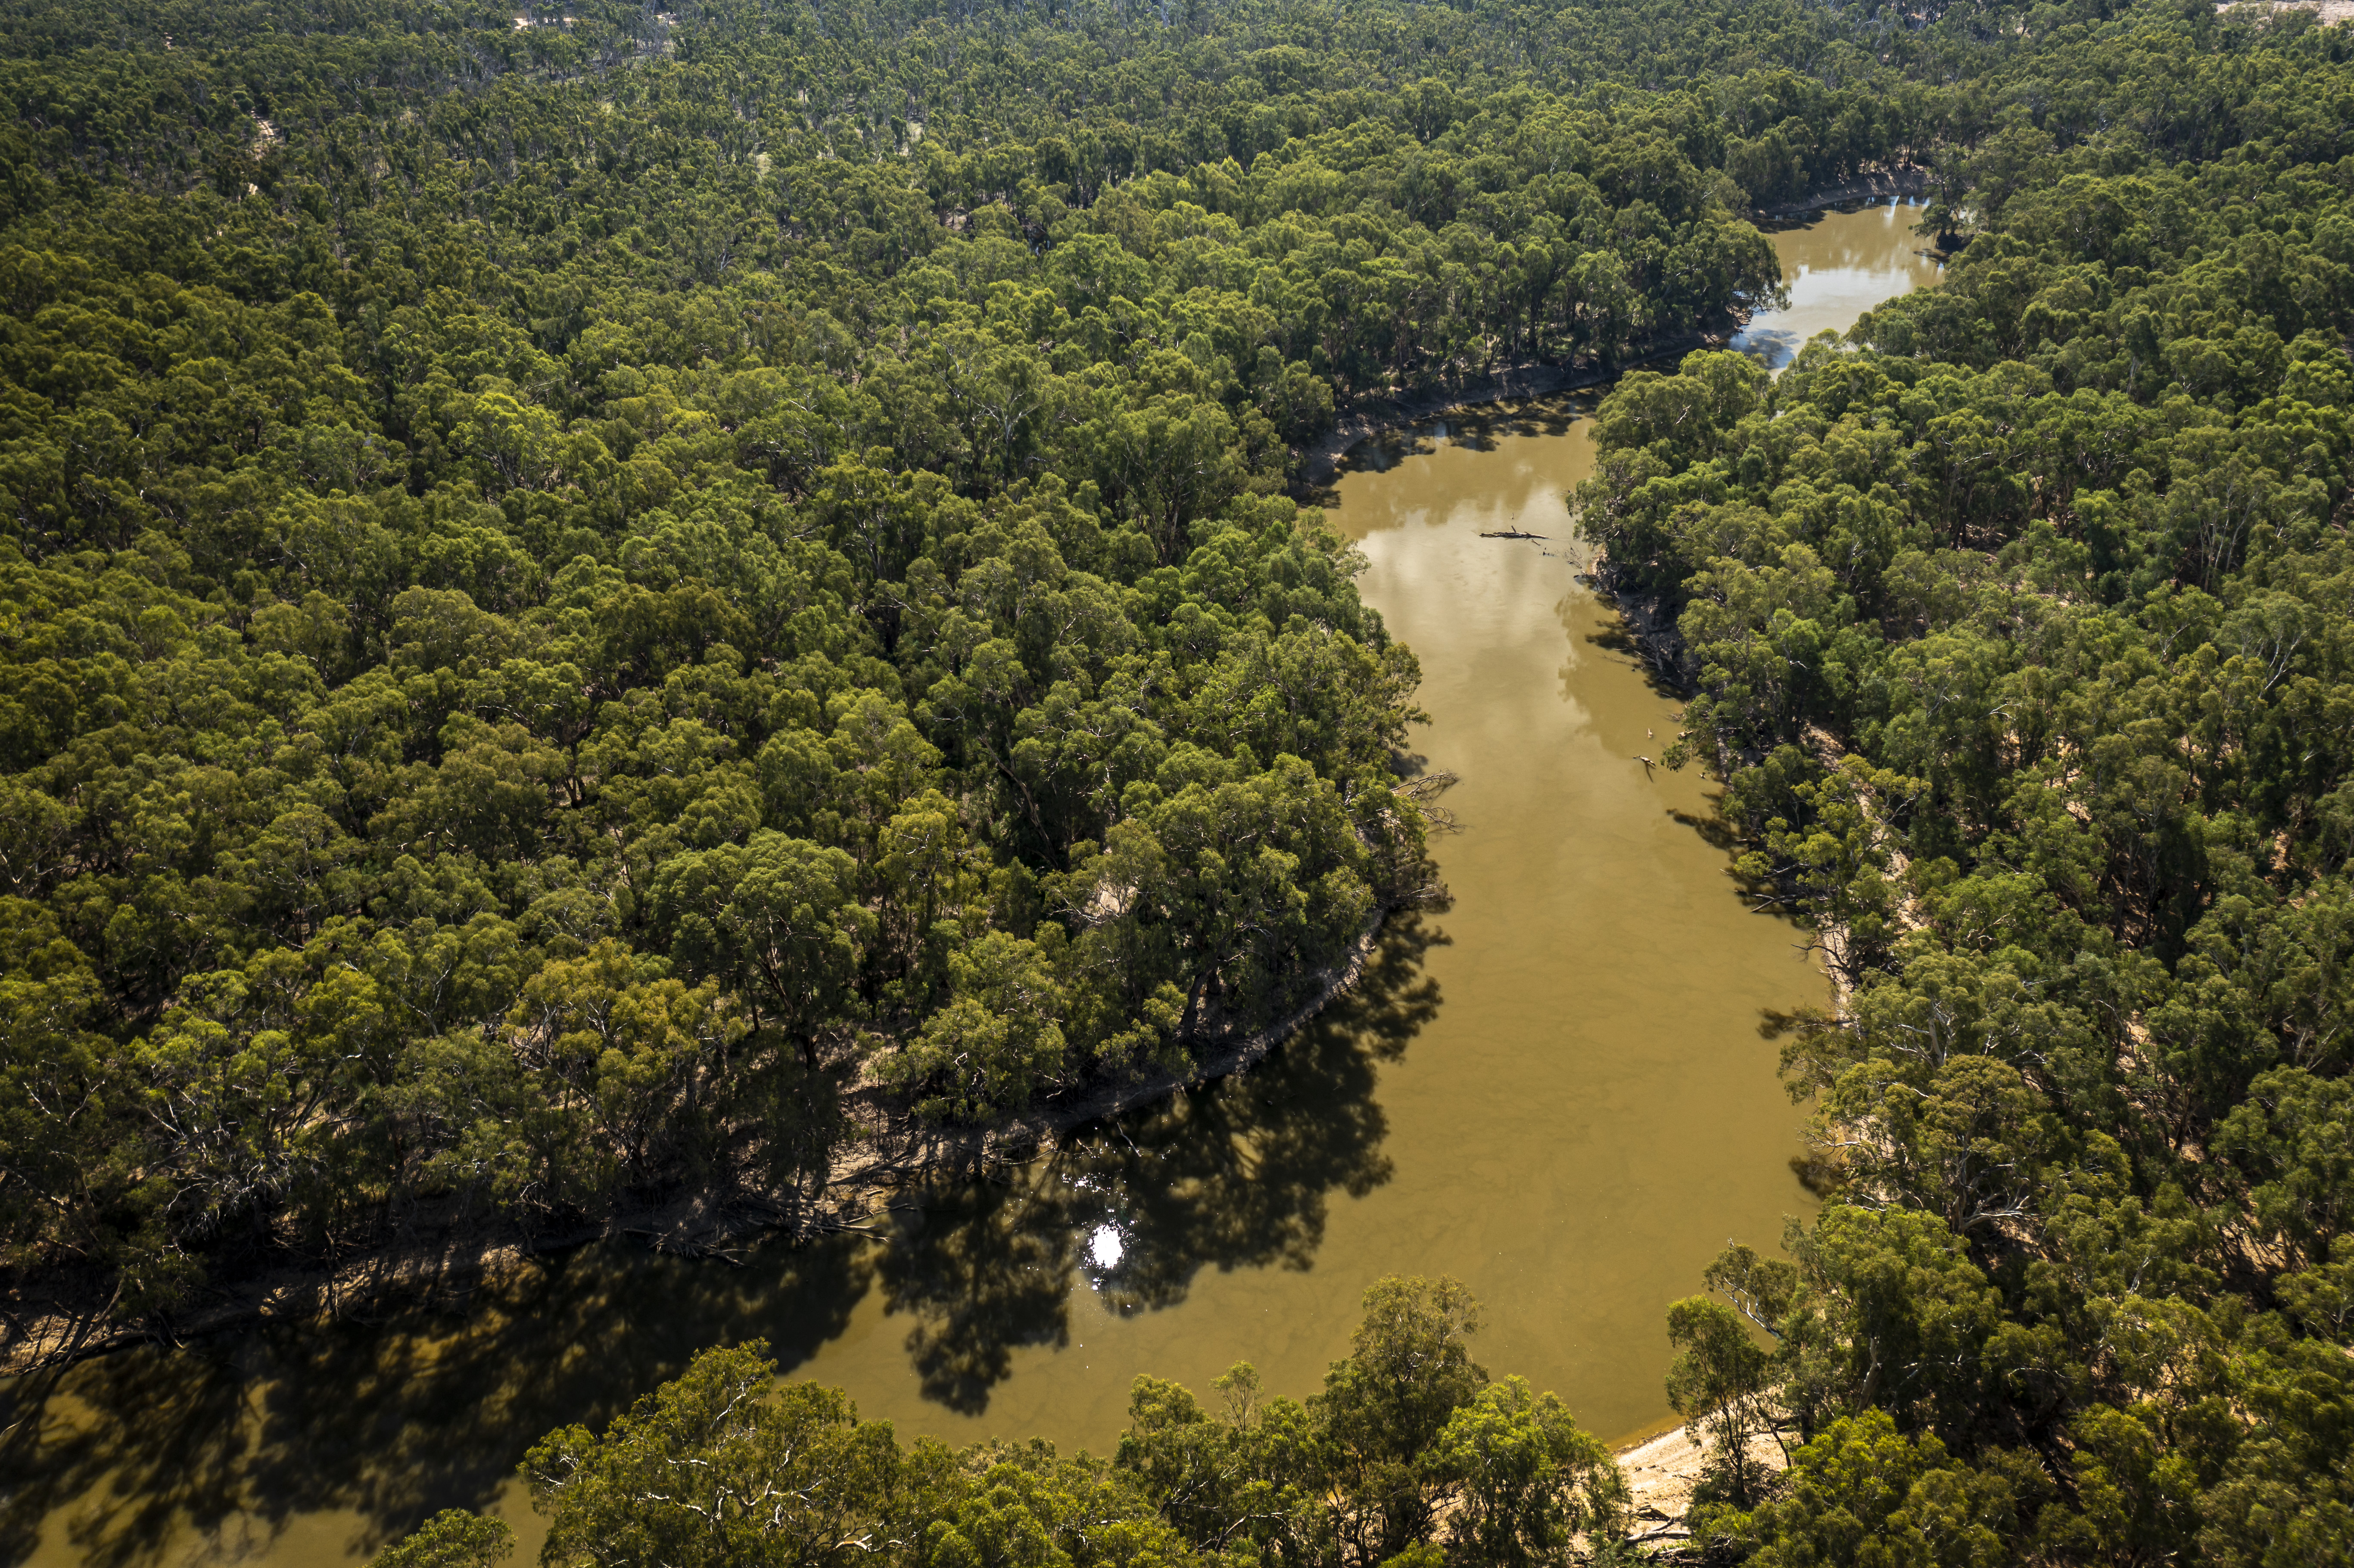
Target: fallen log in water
[{"x": 1511, "y": 533}]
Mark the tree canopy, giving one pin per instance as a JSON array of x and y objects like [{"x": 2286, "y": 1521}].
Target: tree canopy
[
  {"x": 578, "y": 585},
  {"x": 1408, "y": 1450},
  {"x": 2016, "y": 628},
  {"x": 581, "y": 587}
]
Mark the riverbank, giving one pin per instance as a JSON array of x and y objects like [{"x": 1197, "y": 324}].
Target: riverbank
[
  {"x": 1484, "y": 1104},
  {"x": 859, "y": 1186},
  {"x": 1650, "y": 623},
  {"x": 1881, "y": 185},
  {"x": 1663, "y": 1472},
  {"x": 1540, "y": 378},
  {"x": 1321, "y": 463}
]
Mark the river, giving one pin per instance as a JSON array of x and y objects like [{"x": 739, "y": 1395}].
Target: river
[{"x": 1552, "y": 1089}]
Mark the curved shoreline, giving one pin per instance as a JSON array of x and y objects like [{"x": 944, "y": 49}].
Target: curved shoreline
[
  {"x": 1543, "y": 378},
  {"x": 861, "y": 1179},
  {"x": 1906, "y": 180},
  {"x": 1513, "y": 383}
]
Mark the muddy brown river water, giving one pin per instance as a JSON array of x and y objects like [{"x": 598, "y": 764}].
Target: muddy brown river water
[{"x": 1552, "y": 1089}]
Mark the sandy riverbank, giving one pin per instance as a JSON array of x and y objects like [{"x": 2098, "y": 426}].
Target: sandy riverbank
[{"x": 1660, "y": 1475}]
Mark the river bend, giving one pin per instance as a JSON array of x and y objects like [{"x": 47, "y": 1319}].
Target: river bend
[{"x": 1552, "y": 1089}]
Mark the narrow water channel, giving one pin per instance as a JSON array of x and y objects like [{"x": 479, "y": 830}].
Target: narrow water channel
[{"x": 1552, "y": 1089}]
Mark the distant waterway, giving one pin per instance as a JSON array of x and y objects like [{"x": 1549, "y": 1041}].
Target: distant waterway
[
  {"x": 1837, "y": 265},
  {"x": 1552, "y": 1087}
]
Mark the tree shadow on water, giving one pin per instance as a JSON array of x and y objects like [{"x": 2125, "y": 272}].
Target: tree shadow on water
[
  {"x": 213, "y": 1449},
  {"x": 1722, "y": 835},
  {"x": 216, "y": 1449},
  {"x": 1235, "y": 1174},
  {"x": 1482, "y": 427},
  {"x": 1613, "y": 634},
  {"x": 1714, "y": 831}
]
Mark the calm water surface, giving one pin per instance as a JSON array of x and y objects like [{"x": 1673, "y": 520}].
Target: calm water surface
[
  {"x": 1552, "y": 1089},
  {"x": 1837, "y": 267}
]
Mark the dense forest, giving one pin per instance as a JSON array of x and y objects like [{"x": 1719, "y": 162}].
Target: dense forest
[
  {"x": 1407, "y": 1443},
  {"x": 583, "y": 588},
  {"x": 588, "y": 592},
  {"x": 2019, "y": 628}
]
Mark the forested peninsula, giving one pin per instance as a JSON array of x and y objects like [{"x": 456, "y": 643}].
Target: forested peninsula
[
  {"x": 585, "y": 587},
  {"x": 593, "y": 599}
]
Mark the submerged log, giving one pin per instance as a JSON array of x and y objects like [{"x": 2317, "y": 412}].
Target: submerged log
[{"x": 1509, "y": 534}]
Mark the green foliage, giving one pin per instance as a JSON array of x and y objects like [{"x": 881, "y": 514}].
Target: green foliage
[
  {"x": 451, "y": 1539},
  {"x": 579, "y": 597},
  {"x": 725, "y": 1465},
  {"x": 1408, "y": 1453},
  {"x": 1391, "y": 1402},
  {"x": 1719, "y": 1381},
  {"x": 786, "y": 514},
  {"x": 791, "y": 506},
  {"x": 1528, "y": 1482},
  {"x": 2017, "y": 622},
  {"x": 720, "y": 1466},
  {"x": 1864, "y": 1493}
]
